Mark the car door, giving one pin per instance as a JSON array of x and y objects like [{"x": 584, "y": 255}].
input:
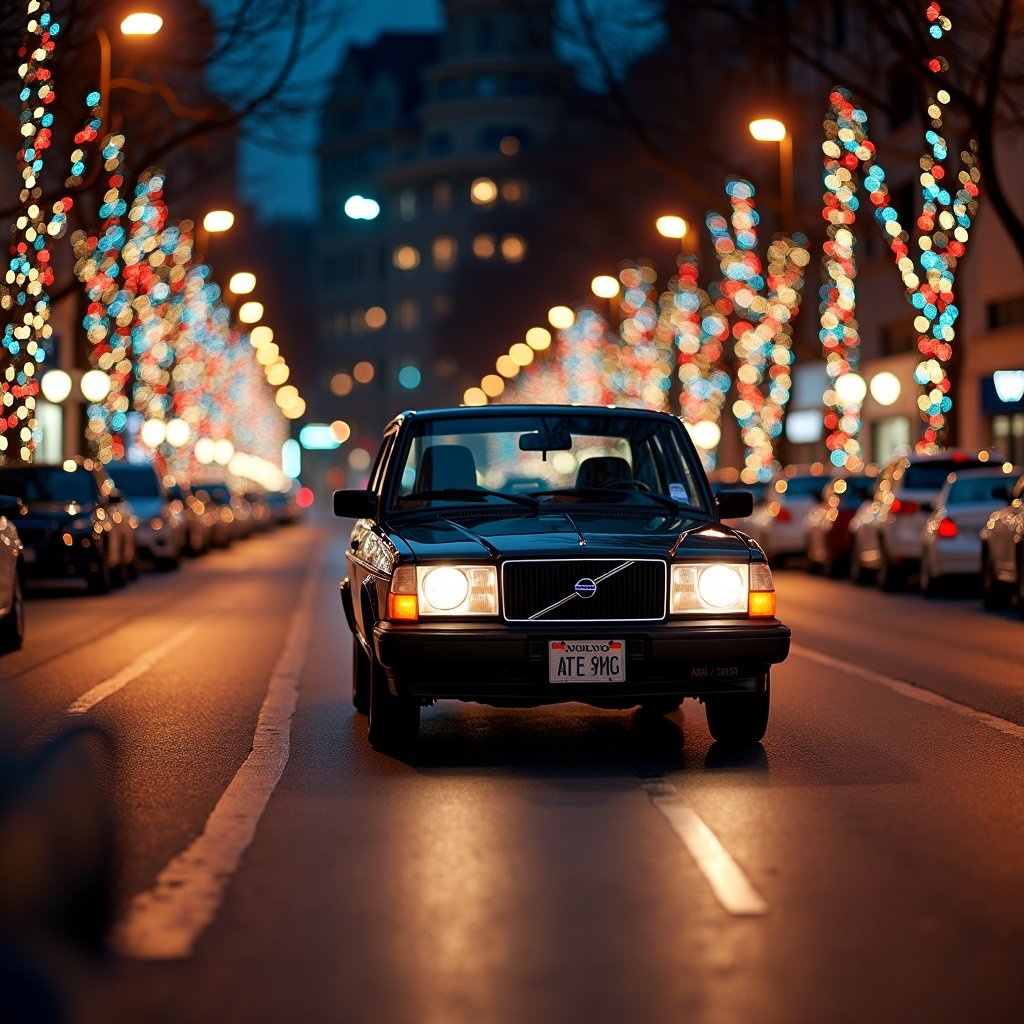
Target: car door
[{"x": 1005, "y": 537}]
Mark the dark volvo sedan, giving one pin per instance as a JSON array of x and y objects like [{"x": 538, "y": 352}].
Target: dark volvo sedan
[{"x": 527, "y": 555}]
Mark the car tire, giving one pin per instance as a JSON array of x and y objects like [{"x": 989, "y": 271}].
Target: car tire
[
  {"x": 394, "y": 721},
  {"x": 858, "y": 573},
  {"x": 12, "y": 627},
  {"x": 739, "y": 718},
  {"x": 931, "y": 586},
  {"x": 888, "y": 577},
  {"x": 993, "y": 594},
  {"x": 98, "y": 578},
  {"x": 360, "y": 678},
  {"x": 659, "y": 705}
]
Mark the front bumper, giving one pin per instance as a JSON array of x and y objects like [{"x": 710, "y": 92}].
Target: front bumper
[{"x": 476, "y": 661}]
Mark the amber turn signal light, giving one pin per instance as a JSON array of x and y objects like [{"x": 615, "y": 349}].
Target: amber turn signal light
[
  {"x": 403, "y": 608},
  {"x": 761, "y": 603}
]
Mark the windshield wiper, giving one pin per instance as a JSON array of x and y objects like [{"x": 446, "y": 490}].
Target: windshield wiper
[{"x": 470, "y": 494}]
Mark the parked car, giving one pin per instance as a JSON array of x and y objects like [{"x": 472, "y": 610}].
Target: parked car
[
  {"x": 197, "y": 522},
  {"x": 827, "y": 525},
  {"x": 777, "y": 523},
  {"x": 950, "y": 546},
  {"x": 1002, "y": 553},
  {"x": 12, "y": 601},
  {"x": 77, "y": 524},
  {"x": 283, "y": 506},
  {"x": 161, "y": 533},
  {"x": 616, "y": 584},
  {"x": 260, "y": 515},
  {"x": 218, "y": 513},
  {"x": 886, "y": 531}
]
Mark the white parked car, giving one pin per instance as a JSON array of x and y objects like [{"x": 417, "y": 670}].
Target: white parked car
[
  {"x": 949, "y": 545},
  {"x": 887, "y": 530},
  {"x": 12, "y": 601},
  {"x": 777, "y": 522},
  {"x": 1002, "y": 553}
]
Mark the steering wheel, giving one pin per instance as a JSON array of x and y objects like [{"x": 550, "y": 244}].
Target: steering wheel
[{"x": 627, "y": 483}]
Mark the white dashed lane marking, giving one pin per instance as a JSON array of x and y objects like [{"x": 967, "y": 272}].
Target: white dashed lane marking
[
  {"x": 917, "y": 693},
  {"x": 730, "y": 885},
  {"x": 166, "y": 921}
]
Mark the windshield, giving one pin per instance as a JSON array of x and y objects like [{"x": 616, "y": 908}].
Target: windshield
[
  {"x": 970, "y": 490},
  {"x": 593, "y": 458},
  {"x": 49, "y": 484},
  {"x": 136, "y": 481},
  {"x": 217, "y": 493},
  {"x": 931, "y": 475}
]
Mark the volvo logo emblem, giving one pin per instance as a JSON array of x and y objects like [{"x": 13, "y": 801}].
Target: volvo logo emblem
[{"x": 585, "y": 588}]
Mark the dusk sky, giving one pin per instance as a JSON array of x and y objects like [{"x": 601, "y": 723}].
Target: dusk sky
[{"x": 282, "y": 185}]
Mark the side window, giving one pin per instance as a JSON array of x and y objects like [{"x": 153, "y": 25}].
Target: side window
[{"x": 383, "y": 456}]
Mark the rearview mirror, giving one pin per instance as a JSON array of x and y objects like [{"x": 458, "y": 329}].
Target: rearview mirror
[
  {"x": 355, "y": 504},
  {"x": 555, "y": 441},
  {"x": 734, "y": 504}
]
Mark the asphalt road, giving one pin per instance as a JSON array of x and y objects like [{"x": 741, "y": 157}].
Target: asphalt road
[{"x": 550, "y": 865}]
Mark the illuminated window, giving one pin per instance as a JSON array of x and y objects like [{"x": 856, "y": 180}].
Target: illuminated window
[
  {"x": 483, "y": 191},
  {"x": 484, "y": 247},
  {"x": 513, "y": 192},
  {"x": 442, "y": 196},
  {"x": 513, "y": 248},
  {"x": 407, "y": 204},
  {"x": 444, "y": 252},
  {"x": 509, "y": 145},
  {"x": 406, "y": 257},
  {"x": 409, "y": 314},
  {"x": 376, "y": 317}
]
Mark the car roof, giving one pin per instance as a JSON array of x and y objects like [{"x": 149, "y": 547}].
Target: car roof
[{"x": 498, "y": 411}]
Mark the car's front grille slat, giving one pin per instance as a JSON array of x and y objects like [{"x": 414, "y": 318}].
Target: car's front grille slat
[{"x": 627, "y": 590}]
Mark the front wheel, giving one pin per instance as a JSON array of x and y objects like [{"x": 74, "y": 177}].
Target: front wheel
[
  {"x": 360, "y": 678},
  {"x": 739, "y": 718},
  {"x": 931, "y": 585},
  {"x": 99, "y": 578},
  {"x": 394, "y": 721},
  {"x": 12, "y": 626},
  {"x": 659, "y": 705}
]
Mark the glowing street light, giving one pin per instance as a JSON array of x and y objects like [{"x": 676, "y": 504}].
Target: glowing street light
[
  {"x": 561, "y": 317},
  {"x": 251, "y": 312},
  {"x": 142, "y": 23},
  {"x": 769, "y": 129},
  {"x": 604, "y": 286},
  {"x": 55, "y": 385},
  {"x": 95, "y": 385},
  {"x": 242, "y": 283}
]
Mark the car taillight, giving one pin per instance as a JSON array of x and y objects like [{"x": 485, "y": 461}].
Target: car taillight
[
  {"x": 782, "y": 514},
  {"x": 903, "y": 508},
  {"x": 947, "y": 528}
]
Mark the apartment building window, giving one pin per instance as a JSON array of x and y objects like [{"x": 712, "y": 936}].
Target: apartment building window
[
  {"x": 445, "y": 249},
  {"x": 407, "y": 204},
  {"x": 442, "y": 196},
  {"x": 406, "y": 257},
  {"x": 409, "y": 314},
  {"x": 1007, "y": 313},
  {"x": 514, "y": 191},
  {"x": 513, "y": 248},
  {"x": 484, "y": 247}
]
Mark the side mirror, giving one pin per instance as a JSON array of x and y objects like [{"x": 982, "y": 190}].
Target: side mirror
[
  {"x": 735, "y": 504},
  {"x": 355, "y": 504}
]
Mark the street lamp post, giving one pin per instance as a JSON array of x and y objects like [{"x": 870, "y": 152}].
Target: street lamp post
[
  {"x": 769, "y": 129},
  {"x": 139, "y": 23},
  {"x": 673, "y": 226}
]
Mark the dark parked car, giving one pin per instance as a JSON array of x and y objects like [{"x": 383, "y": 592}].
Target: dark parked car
[
  {"x": 161, "y": 536},
  {"x": 77, "y": 524},
  {"x": 827, "y": 525},
  {"x": 615, "y": 583}
]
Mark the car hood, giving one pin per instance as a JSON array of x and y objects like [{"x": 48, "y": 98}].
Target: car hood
[
  {"x": 55, "y": 511},
  {"x": 555, "y": 534}
]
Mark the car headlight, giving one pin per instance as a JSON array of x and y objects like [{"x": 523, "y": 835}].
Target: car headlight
[
  {"x": 427, "y": 590},
  {"x": 723, "y": 587}
]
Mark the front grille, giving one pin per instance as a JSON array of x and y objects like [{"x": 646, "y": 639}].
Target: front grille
[{"x": 544, "y": 591}]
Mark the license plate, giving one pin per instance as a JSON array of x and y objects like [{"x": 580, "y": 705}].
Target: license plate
[{"x": 586, "y": 661}]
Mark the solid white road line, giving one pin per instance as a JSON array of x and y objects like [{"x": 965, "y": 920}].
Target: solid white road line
[
  {"x": 119, "y": 680},
  {"x": 727, "y": 880},
  {"x": 166, "y": 921},
  {"x": 913, "y": 692}
]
